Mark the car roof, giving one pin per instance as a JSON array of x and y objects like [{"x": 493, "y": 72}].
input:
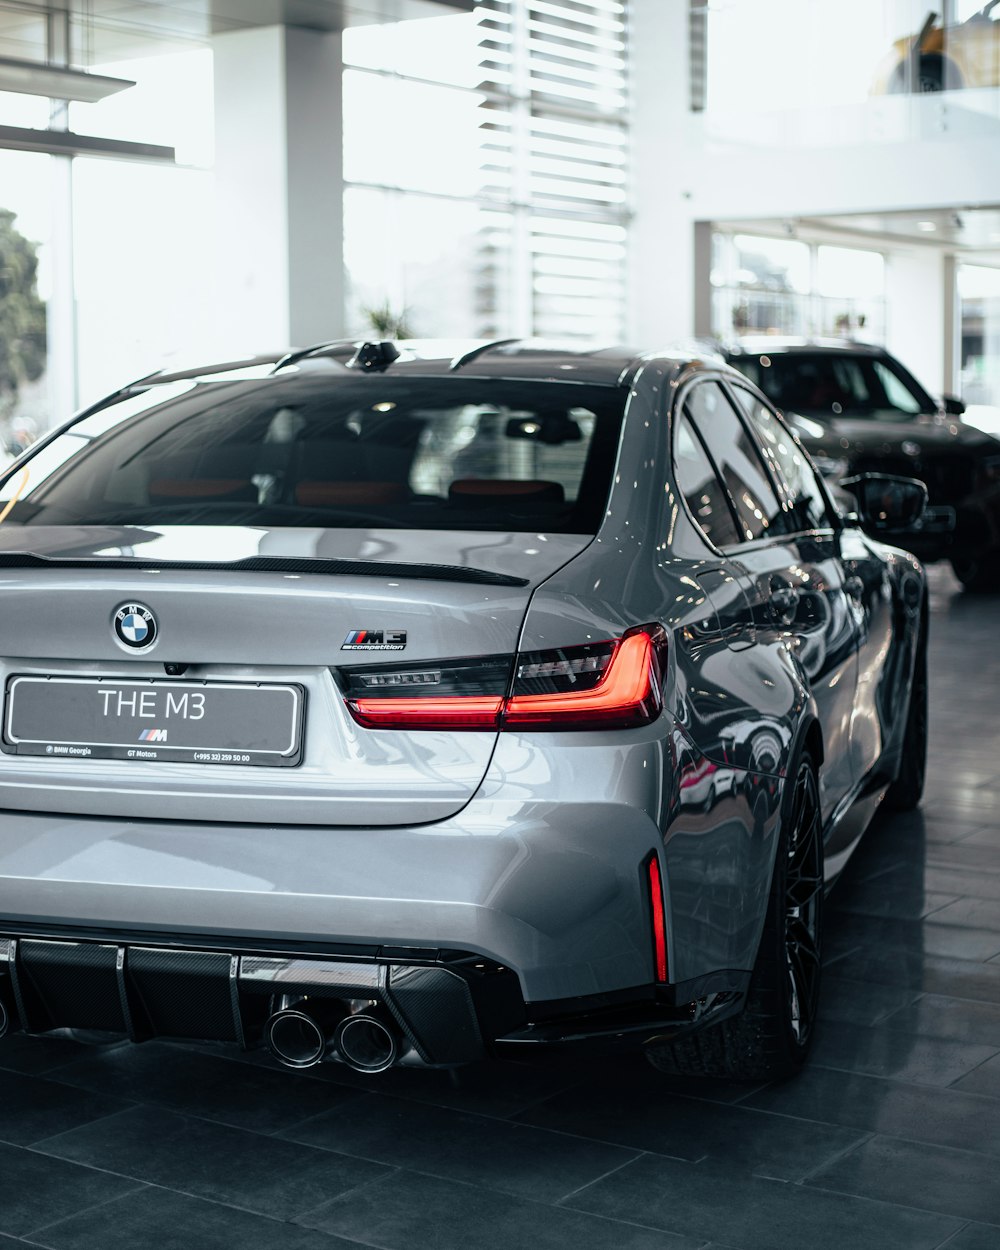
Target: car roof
[
  {"x": 526, "y": 359},
  {"x": 766, "y": 344}
]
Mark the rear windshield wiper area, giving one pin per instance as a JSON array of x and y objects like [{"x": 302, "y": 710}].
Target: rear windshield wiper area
[{"x": 271, "y": 564}]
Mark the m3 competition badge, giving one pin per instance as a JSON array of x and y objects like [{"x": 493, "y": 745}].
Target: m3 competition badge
[{"x": 375, "y": 640}]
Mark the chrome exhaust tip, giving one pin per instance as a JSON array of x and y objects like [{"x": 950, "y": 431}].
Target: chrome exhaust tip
[
  {"x": 300, "y": 1036},
  {"x": 4, "y": 1018},
  {"x": 368, "y": 1041}
]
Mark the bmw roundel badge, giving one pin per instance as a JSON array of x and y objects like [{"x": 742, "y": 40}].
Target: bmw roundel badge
[{"x": 135, "y": 625}]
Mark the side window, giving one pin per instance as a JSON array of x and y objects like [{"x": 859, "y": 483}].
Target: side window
[
  {"x": 703, "y": 492},
  {"x": 737, "y": 460},
  {"x": 896, "y": 394},
  {"x": 805, "y": 501}
]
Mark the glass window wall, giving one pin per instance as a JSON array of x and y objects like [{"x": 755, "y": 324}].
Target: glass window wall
[
  {"x": 765, "y": 285},
  {"x": 511, "y": 185},
  {"x": 25, "y": 288},
  {"x": 979, "y": 307}
]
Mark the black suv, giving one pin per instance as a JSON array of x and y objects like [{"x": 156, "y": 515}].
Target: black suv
[{"x": 858, "y": 410}]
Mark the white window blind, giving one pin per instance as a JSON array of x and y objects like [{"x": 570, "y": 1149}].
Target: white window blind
[{"x": 529, "y": 133}]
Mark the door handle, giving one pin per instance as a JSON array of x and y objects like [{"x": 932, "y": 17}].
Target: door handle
[{"x": 855, "y": 588}]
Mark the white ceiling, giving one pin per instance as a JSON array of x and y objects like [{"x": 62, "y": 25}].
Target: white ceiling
[
  {"x": 971, "y": 232},
  {"x": 113, "y": 30}
]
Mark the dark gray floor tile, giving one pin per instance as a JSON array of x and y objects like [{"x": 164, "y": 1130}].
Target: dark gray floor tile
[
  {"x": 968, "y": 884},
  {"x": 926, "y": 936},
  {"x": 936, "y": 1015},
  {"x": 923, "y": 1113},
  {"x": 968, "y": 858},
  {"x": 495, "y": 1089},
  {"x": 754, "y": 1213},
  {"x": 950, "y": 1182},
  {"x": 39, "y": 1054},
  {"x": 37, "y": 1190},
  {"x": 881, "y": 1051},
  {"x": 860, "y": 1002},
  {"x": 32, "y": 1107},
  {"x": 874, "y": 898},
  {"x": 976, "y": 913},
  {"x": 162, "y": 1220},
  {"x": 513, "y": 1158},
  {"x": 988, "y": 836},
  {"x": 412, "y": 1211},
  {"x": 685, "y": 1128},
  {"x": 931, "y": 974},
  {"x": 975, "y": 1237},
  {"x": 214, "y": 1088},
  {"x": 262, "y": 1174},
  {"x": 983, "y": 1080}
]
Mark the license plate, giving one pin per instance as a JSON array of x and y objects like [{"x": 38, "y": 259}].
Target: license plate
[{"x": 180, "y": 721}]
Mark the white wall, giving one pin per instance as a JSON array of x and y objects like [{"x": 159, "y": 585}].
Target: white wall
[{"x": 917, "y": 319}]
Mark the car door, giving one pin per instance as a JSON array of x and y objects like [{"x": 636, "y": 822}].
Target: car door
[
  {"x": 787, "y": 545},
  {"x": 865, "y": 578}
]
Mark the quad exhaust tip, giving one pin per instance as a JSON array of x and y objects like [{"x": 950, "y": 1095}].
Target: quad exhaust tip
[
  {"x": 303, "y": 1034},
  {"x": 300, "y": 1036},
  {"x": 368, "y": 1041}
]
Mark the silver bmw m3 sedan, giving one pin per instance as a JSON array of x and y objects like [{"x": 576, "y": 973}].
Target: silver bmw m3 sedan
[{"x": 409, "y": 703}]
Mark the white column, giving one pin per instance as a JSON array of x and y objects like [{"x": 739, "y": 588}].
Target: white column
[
  {"x": 662, "y": 277},
  {"x": 916, "y": 328},
  {"x": 279, "y": 189}
]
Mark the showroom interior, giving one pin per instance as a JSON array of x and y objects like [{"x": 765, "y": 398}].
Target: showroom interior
[{"x": 224, "y": 180}]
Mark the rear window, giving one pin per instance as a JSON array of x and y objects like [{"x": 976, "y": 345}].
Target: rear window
[{"x": 307, "y": 450}]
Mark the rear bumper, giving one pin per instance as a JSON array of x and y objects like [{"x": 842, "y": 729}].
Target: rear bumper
[
  {"x": 551, "y": 890},
  {"x": 448, "y": 1007}
]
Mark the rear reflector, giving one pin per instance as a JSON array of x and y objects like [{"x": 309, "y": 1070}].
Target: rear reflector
[
  {"x": 608, "y": 685},
  {"x": 659, "y": 918}
]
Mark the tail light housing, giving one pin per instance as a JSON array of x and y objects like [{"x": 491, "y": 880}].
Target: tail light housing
[{"x": 616, "y": 684}]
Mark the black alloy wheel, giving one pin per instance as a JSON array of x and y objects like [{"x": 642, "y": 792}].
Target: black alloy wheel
[
  {"x": 771, "y": 1037},
  {"x": 907, "y": 790},
  {"x": 803, "y": 897}
]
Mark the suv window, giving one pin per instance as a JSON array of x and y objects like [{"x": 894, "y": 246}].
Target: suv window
[
  {"x": 804, "y": 498},
  {"x": 704, "y": 494},
  {"x": 836, "y": 383},
  {"x": 310, "y": 450},
  {"x": 737, "y": 460}
]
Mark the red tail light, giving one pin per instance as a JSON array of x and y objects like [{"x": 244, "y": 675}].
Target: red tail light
[
  {"x": 608, "y": 685},
  {"x": 455, "y": 713},
  {"x": 627, "y": 692},
  {"x": 659, "y": 918}
]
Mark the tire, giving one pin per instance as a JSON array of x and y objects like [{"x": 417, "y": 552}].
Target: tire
[
  {"x": 772, "y": 1035},
  {"x": 979, "y": 575},
  {"x": 907, "y": 790}
]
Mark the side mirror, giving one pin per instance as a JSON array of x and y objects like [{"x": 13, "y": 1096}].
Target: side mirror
[
  {"x": 887, "y": 503},
  {"x": 952, "y": 405}
]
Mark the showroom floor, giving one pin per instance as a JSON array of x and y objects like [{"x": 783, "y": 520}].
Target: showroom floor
[{"x": 890, "y": 1139}]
